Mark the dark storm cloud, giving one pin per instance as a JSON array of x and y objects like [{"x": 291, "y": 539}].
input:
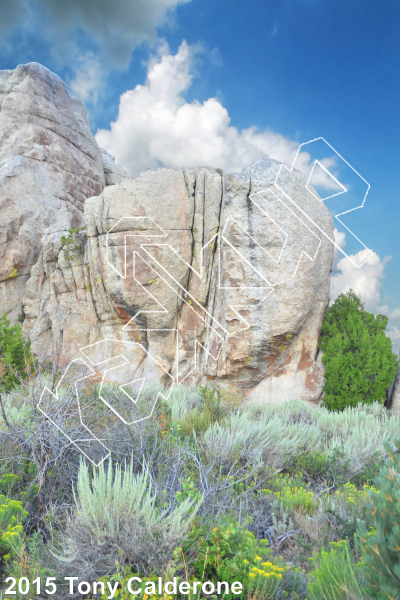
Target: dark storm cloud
[{"x": 117, "y": 26}]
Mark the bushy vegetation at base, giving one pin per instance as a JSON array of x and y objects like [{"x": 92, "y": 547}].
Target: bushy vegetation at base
[
  {"x": 358, "y": 357},
  {"x": 291, "y": 500}
]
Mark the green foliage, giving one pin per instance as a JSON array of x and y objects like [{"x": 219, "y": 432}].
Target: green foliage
[
  {"x": 26, "y": 562},
  {"x": 19, "y": 487},
  {"x": 14, "y": 354},
  {"x": 368, "y": 474},
  {"x": 12, "y": 516},
  {"x": 211, "y": 409},
  {"x": 352, "y": 503},
  {"x": 72, "y": 243},
  {"x": 108, "y": 498},
  {"x": 335, "y": 575},
  {"x": 119, "y": 514},
  {"x": 21, "y": 316},
  {"x": 291, "y": 494},
  {"x": 123, "y": 575},
  {"x": 211, "y": 403},
  {"x": 358, "y": 357},
  {"x": 226, "y": 552},
  {"x": 381, "y": 546},
  {"x": 193, "y": 506},
  {"x": 320, "y": 467},
  {"x": 189, "y": 491}
]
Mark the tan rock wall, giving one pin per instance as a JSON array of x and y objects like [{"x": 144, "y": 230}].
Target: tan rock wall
[
  {"x": 198, "y": 277},
  {"x": 49, "y": 164}
]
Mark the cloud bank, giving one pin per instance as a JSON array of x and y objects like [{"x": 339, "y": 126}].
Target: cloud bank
[{"x": 156, "y": 126}]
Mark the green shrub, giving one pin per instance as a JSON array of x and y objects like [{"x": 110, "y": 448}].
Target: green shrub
[
  {"x": 265, "y": 580},
  {"x": 119, "y": 515},
  {"x": 229, "y": 552},
  {"x": 72, "y": 244},
  {"x": 348, "y": 506},
  {"x": 12, "y": 516},
  {"x": 226, "y": 551},
  {"x": 317, "y": 467},
  {"x": 14, "y": 354},
  {"x": 291, "y": 494},
  {"x": 26, "y": 562},
  {"x": 381, "y": 545},
  {"x": 335, "y": 575},
  {"x": 368, "y": 474},
  {"x": 210, "y": 409},
  {"x": 358, "y": 357}
]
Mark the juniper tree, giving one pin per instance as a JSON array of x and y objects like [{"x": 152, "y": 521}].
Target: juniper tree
[
  {"x": 358, "y": 357},
  {"x": 14, "y": 354}
]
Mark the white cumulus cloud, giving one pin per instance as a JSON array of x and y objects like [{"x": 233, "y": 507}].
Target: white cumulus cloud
[
  {"x": 156, "y": 126},
  {"x": 88, "y": 79},
  {"x": 394, "y": 335},
  {"x": 366, "y": 281}
]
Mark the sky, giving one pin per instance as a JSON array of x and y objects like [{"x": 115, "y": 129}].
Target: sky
[{"x": 191, "y": 82}]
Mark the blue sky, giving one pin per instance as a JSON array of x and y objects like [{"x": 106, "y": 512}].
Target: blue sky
[{"x": 226, "y": 82}]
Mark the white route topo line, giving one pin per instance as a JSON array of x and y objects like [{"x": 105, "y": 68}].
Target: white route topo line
[{"x": 204, "y": 315}]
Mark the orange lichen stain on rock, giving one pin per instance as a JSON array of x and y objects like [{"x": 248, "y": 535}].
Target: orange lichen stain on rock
[
  {"x": 309, "y": 383},
  {"x": 121, "y": 313},
  {"x": 305, "y": 360},
  {"x": 281, "y": 372}
]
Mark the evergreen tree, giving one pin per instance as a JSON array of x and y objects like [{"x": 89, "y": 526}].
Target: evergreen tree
[
  {"x": 358, "y": 357},
  {"x": 14, "y": 354}
]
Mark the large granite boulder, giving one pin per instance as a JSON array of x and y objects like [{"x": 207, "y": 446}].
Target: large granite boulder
[
  {"x": 49, "y": 164},
  {"x": 192, "y": 277},
  {"x": 175, "y": 275}
]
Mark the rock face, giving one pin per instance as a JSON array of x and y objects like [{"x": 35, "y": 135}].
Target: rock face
[
  {"x": 49, "y": 164},
  {"x": 177, "y": 275},
  {"x": 393, "y": 395},
  {"x": 113, "y": 173},
  {"x": 193, "y": 277}
]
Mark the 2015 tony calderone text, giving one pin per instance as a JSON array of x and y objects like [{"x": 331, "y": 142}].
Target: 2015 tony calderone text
[{"x": 133, "y": 585}]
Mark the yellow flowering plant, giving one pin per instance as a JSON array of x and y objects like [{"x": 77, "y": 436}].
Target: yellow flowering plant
[
  {"x": 12, "y": 516},
  {"x": 352, "y": 496},
  {"x": 292, "y": 494}
]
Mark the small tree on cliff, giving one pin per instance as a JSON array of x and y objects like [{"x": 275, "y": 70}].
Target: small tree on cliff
[
  {"x": 14, "y": 354},
  {"x": 358, "y": 357}
]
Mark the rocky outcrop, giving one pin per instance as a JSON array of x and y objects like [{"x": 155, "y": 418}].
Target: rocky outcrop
[
  {"x": 192, "y": 276},
  {"x": 393, "y": 395},
  {"x": 113, "y": 173},
  {"x": 49, "y": 164},
  {"x": 175, "y": 275}
]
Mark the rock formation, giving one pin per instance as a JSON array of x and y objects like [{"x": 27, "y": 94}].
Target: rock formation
[
  {"x": 186, "y": 274},
  {"x": 49, "y": 164},
  {"x": 393, "y": 395}
]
